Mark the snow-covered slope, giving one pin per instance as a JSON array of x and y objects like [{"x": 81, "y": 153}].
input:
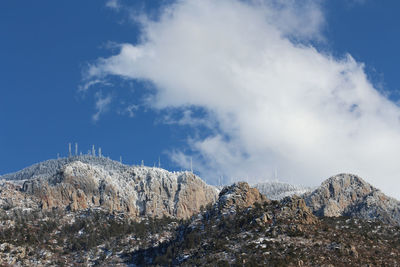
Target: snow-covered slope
[
  {"x": 278, "y": 190},
  {"x": 90, "y": 182},
  {"x": 50, "y": 167}
]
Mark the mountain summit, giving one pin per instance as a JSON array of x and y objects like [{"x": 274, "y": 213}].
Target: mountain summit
[
  {"x": 349, "y": 195},
  {"x": 101, "y": 183}
]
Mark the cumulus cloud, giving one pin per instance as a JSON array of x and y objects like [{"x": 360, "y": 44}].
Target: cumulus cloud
[
  {"x": 102, "y": 105},
  {"x": 275, "y": 100}
]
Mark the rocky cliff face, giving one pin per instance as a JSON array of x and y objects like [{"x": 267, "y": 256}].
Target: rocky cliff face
[
  {"x": 11, "y": 196},
  {"x": 349, "y": 195},
  {"x": 240, "y": 195},
  {"x": 136, "y": 191}
]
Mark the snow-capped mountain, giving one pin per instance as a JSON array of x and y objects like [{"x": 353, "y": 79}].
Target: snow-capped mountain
[
  {"x": 78, "y": 183},
  {"x": 50, "y": 167}
]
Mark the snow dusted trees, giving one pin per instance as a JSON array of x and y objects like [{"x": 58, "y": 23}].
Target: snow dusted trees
[{"x": 75, "y": 154}]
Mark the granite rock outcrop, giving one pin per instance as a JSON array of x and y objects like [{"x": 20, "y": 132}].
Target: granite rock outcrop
[
  {"x": 240, "y": 195},
  {"x": 136, "y": 191},
  {"x": 349, "y": 195}
]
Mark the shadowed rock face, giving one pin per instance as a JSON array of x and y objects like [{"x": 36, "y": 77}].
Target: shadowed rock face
[
  {"x": 349, "y": 195},
  {"x": 136, "y": 191}
]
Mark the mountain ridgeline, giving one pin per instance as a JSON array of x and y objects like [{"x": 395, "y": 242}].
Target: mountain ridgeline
[
  {"x": 92, "y": 211},
  {"x": 79, "y": 183},
  {"x": 82, "y": 182}
]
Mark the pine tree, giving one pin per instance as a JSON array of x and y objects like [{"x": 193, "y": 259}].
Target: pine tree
[
  {"x": 76, "y": 149},
  {"x": 100, "y": 155},
  {"x": 93, "y": 151},
  {"x": 69, "y": 150}
]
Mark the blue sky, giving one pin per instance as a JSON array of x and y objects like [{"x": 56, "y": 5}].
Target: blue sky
[
  {"x": 44, "y": 48},
  {"x": 48, "y": 49}
]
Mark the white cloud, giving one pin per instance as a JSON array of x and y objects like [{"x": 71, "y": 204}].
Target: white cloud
[
  {"x": 102, "y": 105},
  {"x": 113, "y": 4},
  {"x": 129, "y": 110},
  {"x": 91, "y": 83},
  {"x": 188, "y": 117},
  {"x": 279, "y": 103}
]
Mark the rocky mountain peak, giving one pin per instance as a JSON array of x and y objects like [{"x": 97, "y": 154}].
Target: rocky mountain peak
[
  {"x": 240, "y": 195},
  {"x": 347, "y": 185},
  {"x": 136, "y": 191},
  {"x": 350, "y": 195}
]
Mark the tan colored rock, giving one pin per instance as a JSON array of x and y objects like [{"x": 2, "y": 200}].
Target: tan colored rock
[
  {"x": 349, "y": 195},
  {"x": 136, "y": 191},
  {"x": 295, "y": 210},
  {"x": 240, "y": 195},
  {"x": 12, "y": 197}
]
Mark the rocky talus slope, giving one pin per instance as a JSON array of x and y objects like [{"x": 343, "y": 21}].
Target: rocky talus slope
[
  {"x": 349, "y": 195},
  {"x": 136, "y": 191}
]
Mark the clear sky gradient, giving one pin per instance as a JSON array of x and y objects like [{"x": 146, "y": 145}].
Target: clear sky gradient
[{"x": 47, "y": 46}]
